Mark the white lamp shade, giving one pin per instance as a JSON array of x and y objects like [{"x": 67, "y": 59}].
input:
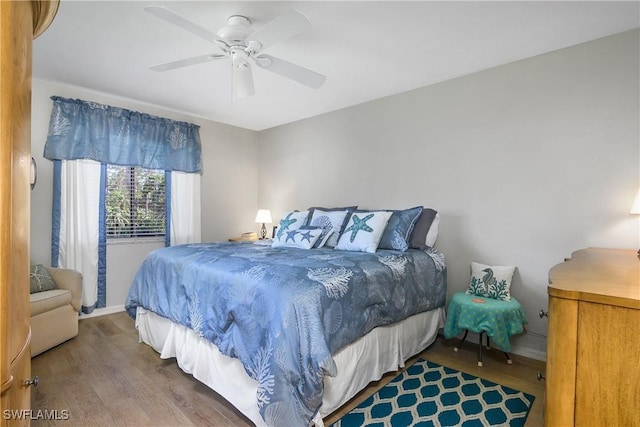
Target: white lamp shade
[
  {"x": 263, "y": 216},
  {"x": 635, "y": 208}
]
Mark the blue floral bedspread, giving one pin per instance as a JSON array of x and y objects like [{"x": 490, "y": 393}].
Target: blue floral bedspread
[{"x": 284, "y": 311}]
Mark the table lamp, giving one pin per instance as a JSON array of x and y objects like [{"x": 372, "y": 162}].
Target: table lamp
[
  {"x": 263, "y": 216},
  {"x": 635, "y": 209}
]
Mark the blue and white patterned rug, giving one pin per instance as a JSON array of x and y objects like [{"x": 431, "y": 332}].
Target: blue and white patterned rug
[{"x": 427, "y": 394}]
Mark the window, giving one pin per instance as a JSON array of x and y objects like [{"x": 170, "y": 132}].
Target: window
[{"x": 135, "y": 202}]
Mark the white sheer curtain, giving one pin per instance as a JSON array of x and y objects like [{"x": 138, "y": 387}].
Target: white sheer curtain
[
  {"x": 79, "y": 224},
  {"x": 185, "y": 208}
]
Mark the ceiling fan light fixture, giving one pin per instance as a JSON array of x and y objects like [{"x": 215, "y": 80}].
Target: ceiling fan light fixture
[
  {"x": 239, "y": 58},
  {"x": 243, "y": 82}
]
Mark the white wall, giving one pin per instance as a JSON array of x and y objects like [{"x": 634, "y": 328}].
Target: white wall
[
  {"x": 526, "y": 163},
  {"x": 229, "y": 182}
]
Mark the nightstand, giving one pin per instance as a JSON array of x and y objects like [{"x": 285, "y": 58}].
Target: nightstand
[
  {"x": 243, "y": 239},
  {"x": 497, "y": 319},
  {"x": 249, "y": 236}
]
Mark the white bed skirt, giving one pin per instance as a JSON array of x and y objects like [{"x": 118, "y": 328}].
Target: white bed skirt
[{"x": 382, "y": 350}]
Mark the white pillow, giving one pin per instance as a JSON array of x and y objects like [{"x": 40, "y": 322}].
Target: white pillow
[
  {"x": 432, "y": 234},
  {"x": 324, "y": 234},
  {"x": 298, "y": 238},
  {"x": 364, "y": 231},
  {"x": 491, "y": 281},
  {"x": 329, "y": 220},
  {"x": 291, "y": 221}
]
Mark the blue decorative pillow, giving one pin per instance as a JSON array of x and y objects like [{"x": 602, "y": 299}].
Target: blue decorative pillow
[
  {"x": 364, "y": 231},
  {"x": 291, "y": 221},
  {"x": 422, "y": 228},
  {"x": 330, "y": 220},
  {"x": 303, "y": 238},
  {"x": 397, "y": 235}
]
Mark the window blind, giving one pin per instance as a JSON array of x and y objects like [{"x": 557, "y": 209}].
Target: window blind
[{"x": 135, "y": 202}]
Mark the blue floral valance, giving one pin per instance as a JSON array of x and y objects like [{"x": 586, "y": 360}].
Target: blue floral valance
[{"x": 86, "y": 130}]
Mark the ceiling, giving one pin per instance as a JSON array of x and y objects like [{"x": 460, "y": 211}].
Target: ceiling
[{"x": 366, "y": 50}]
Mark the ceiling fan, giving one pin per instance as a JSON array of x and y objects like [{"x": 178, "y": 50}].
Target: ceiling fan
[{"x": 238, "y": 41}]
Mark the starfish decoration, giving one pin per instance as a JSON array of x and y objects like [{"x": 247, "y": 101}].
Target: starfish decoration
[
  {"x": 285, "y": 223},
  {"x": 359, "y": 224},
  {"x": 306, "y": 236},
  {"x": 291, "y": 235}
]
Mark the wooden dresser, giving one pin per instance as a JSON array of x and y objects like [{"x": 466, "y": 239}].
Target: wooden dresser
[{"x": 593, "y": 348}]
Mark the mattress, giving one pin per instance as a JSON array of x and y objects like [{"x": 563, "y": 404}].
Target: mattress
[{"x": 383, "y": 349}]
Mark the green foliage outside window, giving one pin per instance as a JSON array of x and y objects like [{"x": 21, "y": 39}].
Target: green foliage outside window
[{"x": 135, "y": 202}]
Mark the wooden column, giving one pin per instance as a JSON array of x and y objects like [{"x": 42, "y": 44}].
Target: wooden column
[{"x": 18, "y": 20}]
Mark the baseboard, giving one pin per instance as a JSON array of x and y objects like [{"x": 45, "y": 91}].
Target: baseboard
[
  {"x": 532, "y": 354},
  {"x": 102, "y": 311}
]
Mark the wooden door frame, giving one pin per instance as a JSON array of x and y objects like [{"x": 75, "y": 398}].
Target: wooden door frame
[{"x": 18, "y": 20}]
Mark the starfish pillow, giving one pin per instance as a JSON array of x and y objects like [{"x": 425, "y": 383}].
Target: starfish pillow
[{"x": 364, "y": 231}]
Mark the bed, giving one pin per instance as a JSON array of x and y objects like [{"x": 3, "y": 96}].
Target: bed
[{"x": 287, "y": 335}]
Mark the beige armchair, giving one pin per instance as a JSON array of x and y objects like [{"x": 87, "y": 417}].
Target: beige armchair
[{"x": 54, "y": 313}]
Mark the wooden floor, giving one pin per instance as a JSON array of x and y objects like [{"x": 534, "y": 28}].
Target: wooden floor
[{"x": 105, "y": 377}]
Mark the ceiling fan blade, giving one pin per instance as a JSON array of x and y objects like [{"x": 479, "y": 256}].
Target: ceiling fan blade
[
  {"x": 292, "y": 71},
  {"x": 280, "y": 28},
  {"x": 243, "y": 81},
  {"x": 171, "y": 17},
  {"x": 185, "y": 62}
]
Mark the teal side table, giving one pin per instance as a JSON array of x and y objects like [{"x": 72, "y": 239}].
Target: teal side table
[{"x": 499, "y": 320}]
